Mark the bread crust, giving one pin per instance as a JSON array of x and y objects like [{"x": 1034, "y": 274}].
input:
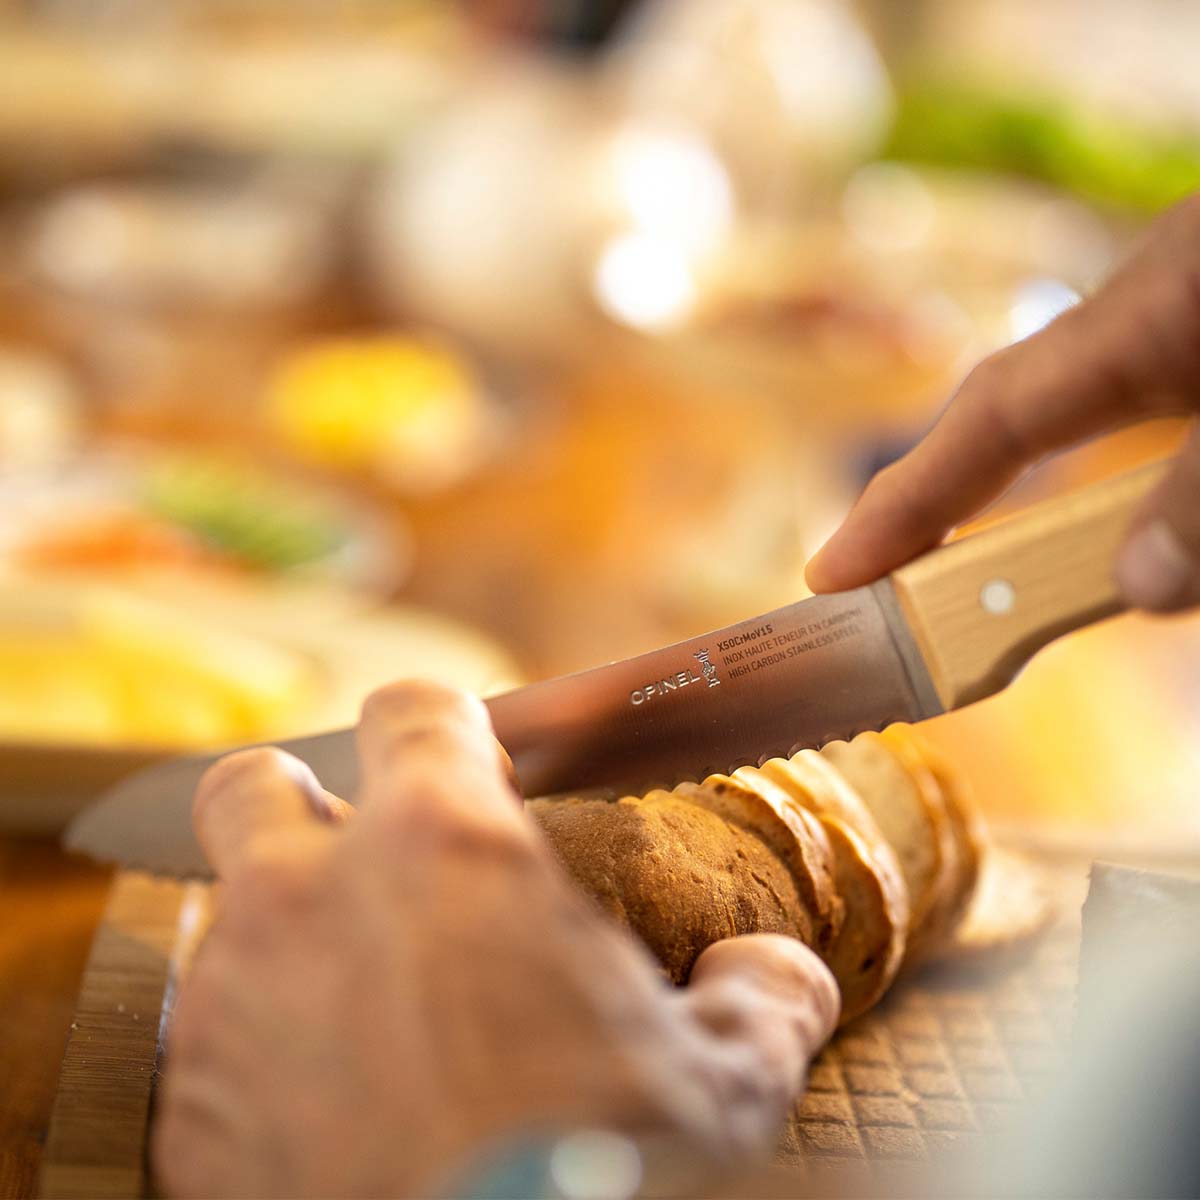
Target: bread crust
[{"x": 676, "y": 874}]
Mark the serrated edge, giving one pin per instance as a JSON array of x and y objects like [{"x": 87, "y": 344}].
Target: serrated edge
[{"x": 705, "y": 773}]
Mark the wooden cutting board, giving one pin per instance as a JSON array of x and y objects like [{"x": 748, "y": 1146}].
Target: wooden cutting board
[
  {"x": 96, "y": 1145},
  {"x": 948, "y": 1059}
]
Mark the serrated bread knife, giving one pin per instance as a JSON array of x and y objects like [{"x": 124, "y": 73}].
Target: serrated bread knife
[{"x": 941, "y": 632}]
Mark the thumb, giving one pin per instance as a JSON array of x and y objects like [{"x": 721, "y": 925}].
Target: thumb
[
  {"x": 1158, "y": 567},
  {"x": 769, "y": 1004}
]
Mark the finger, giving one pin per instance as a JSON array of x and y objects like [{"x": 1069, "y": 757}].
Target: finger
[
  {"x": 422, "y": 744},
  {"x": 770, "y": 995},
  {"x": 1126, "y": 353},
  {"x": 1159, "y": 565},
  {"x": 1042, "y": 394},
  {"x": 253, "y": 795}
]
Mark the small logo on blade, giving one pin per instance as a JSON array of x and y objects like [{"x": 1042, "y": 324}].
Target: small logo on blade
[
  {"x": 710, "y": 671},
  {"x": 681, "y": 679}
]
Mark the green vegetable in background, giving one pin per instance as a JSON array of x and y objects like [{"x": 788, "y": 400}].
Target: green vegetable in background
[
  {"x": 1116, "y": 164},
  {"x": 239, "y": 512}
]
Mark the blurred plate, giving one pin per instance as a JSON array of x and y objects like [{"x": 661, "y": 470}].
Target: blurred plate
[
  {"x": 136, "y": 510},
  {"x": 226, "y": 661}
]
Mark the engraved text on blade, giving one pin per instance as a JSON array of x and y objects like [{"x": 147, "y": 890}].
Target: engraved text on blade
[{"x": 680, "y": 679}]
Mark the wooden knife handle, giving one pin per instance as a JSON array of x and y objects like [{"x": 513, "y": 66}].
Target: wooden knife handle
[{"x": 981, "y": 607}]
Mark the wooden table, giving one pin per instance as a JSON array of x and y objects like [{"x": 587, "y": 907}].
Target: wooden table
[{"x": 49, "y": 907}]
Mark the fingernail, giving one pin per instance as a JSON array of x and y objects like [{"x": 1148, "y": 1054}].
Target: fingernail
[{"x": 1154, "y": 569}]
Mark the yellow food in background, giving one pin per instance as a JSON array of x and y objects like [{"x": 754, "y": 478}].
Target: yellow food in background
[
  {"x": 113, "y": 670},
  {"x": 404, "y": 408}
]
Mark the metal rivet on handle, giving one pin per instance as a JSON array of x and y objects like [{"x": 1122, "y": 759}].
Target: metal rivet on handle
[{"x": 998, "y": 597}]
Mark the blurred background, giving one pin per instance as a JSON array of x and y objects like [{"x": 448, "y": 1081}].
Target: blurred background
[{"x": 347, "y": 341}]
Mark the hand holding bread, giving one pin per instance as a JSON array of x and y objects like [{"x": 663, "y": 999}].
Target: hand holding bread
[{"x": 390, "y": 991}]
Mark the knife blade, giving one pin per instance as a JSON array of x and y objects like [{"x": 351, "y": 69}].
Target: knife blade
[
  {"x": 822, "y": 668},
  {"x": 947, "y": 629}
]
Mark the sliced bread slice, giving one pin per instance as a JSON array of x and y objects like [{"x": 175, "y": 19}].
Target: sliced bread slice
[
  {"x": 867, "y": 952},
  {"x": 915, "y": 829},
  {"x": 1014, "y": 902},
  {"x": 951, "y": 890},
  {"x": 964, "y": 835},
  {"x": 796, "y": 838}
]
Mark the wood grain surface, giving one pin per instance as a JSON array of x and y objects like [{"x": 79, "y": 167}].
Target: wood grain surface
[
  {"x": 96, "y": 1145},
  {"x": 49, "y": 907}
]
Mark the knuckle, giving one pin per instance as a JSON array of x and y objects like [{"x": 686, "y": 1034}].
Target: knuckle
[
  {"x": 735, "y": 1003},
  {"x": 507, "y": 844},
  {"x": 745, "y": 1085},
  {"x": 437, "y": 769},
  {"x": 450, "y": 830},
  {"x": 886, "y": 485},
  {"x": 895, "y": 480},
  {"x": 984, "y": 390},
  {"x": 398, "y": 745},
  {"x": 1003, "y": 437},
  {"x": 885, "y": 479},
  {"x": 918, "y": 505}
]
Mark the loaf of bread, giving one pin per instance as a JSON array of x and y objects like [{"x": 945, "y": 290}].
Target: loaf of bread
[
  {"x": 677, "y": 874},
  {"x": 868, "y": 851}
]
